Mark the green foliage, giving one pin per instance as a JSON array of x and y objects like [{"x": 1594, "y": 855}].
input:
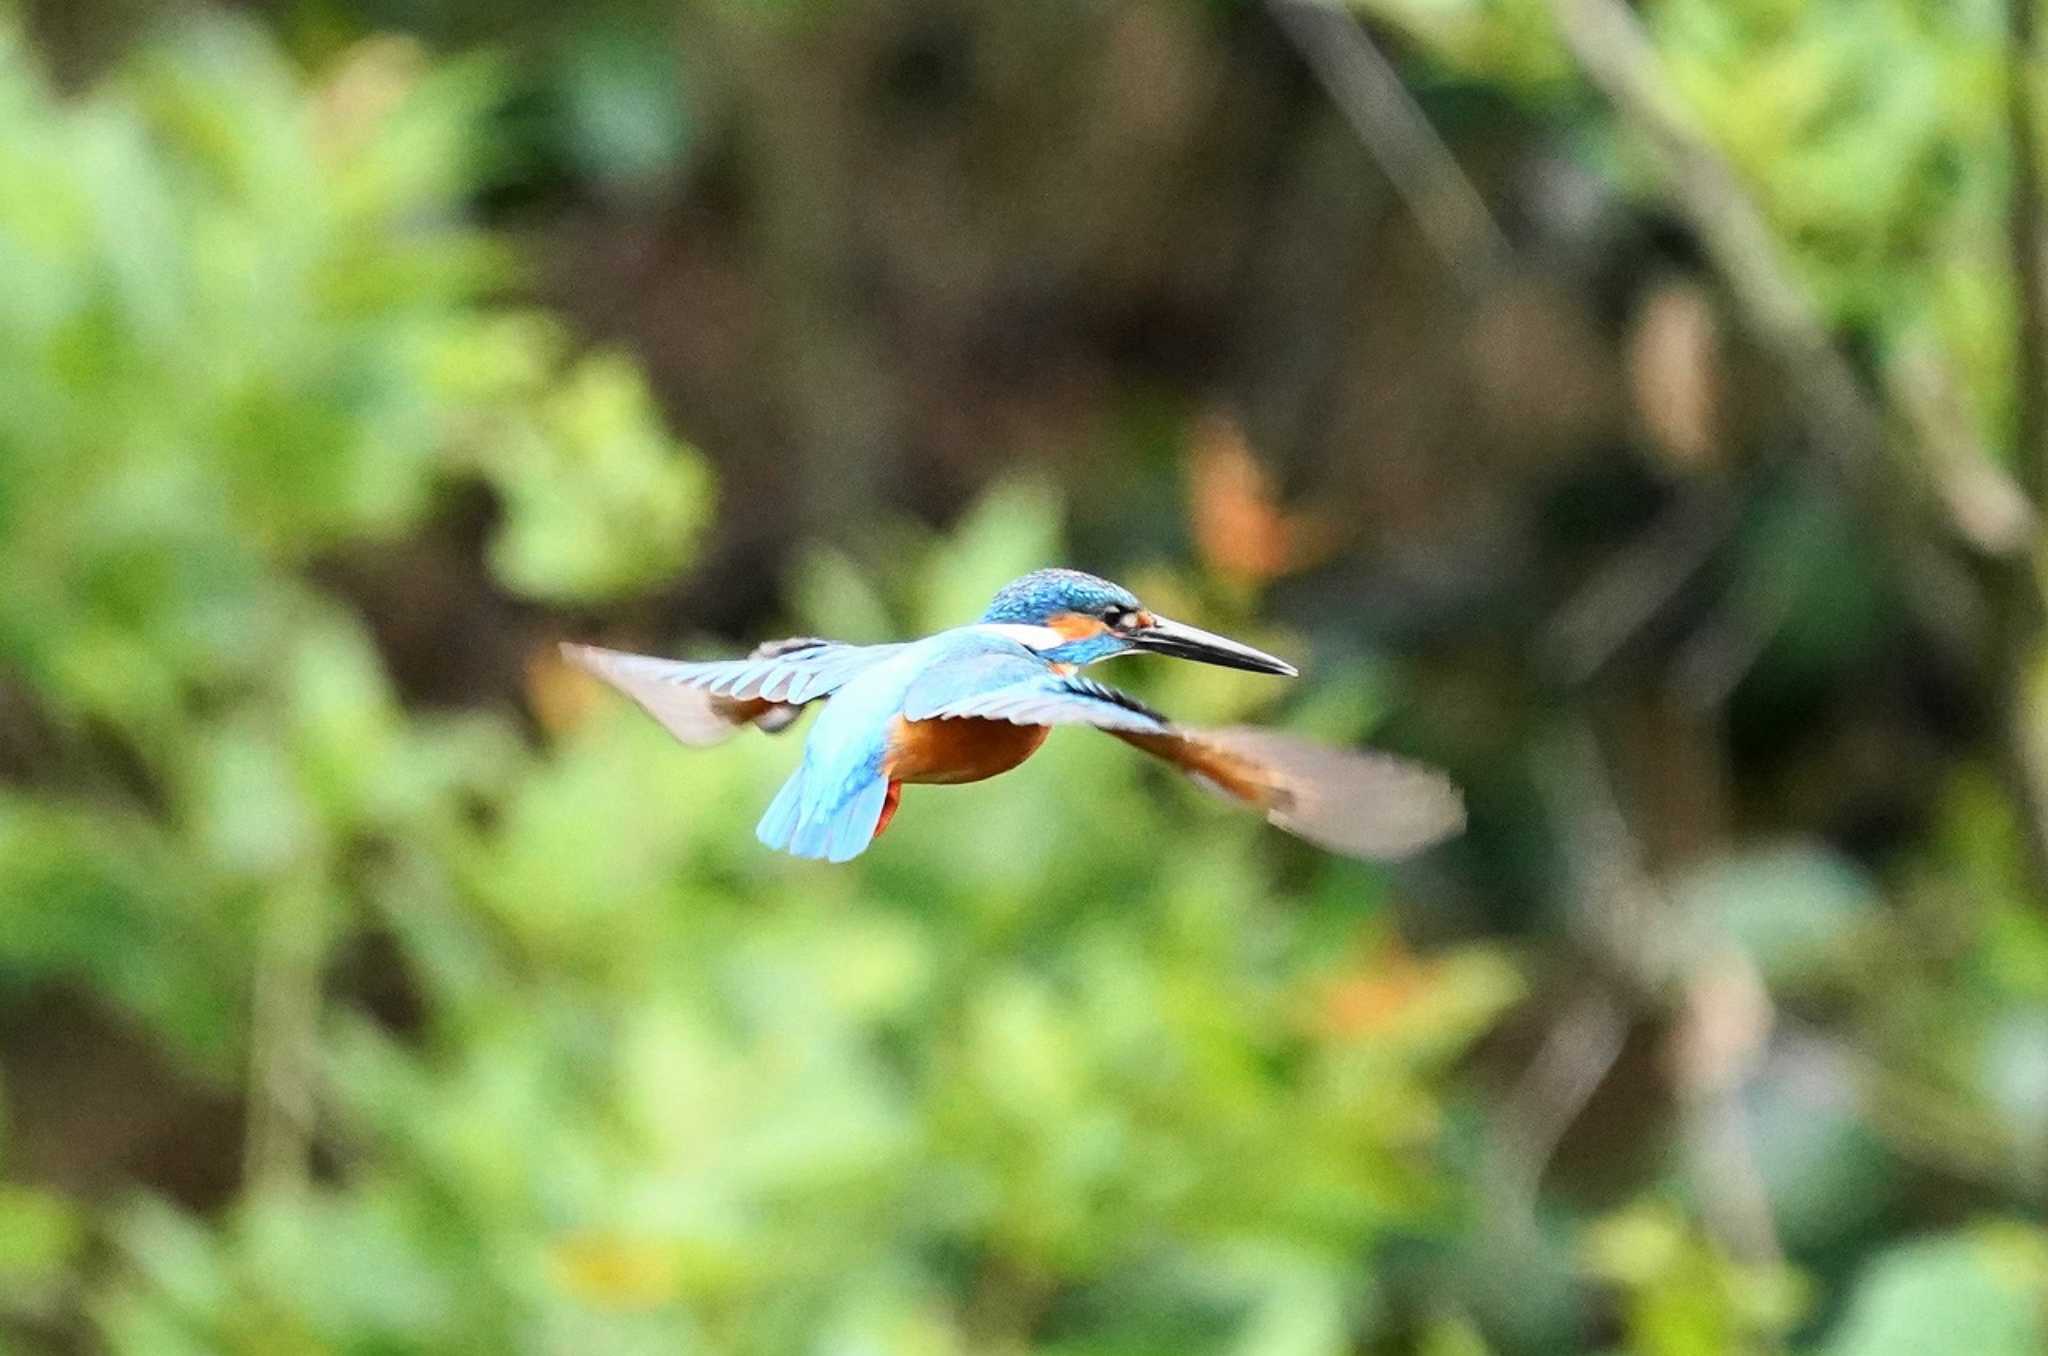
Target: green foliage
[
  {"x": 1794, "y": 909},
  {"x": 1870, "y": 135},
  {"x": 754, "y": 1102},
  {"x": 675, "y": 1090},
  {"x": 1684, "y": 1297},
  {"x": 245, "y": 325},
  {"x": 1862, "y": 126},
  {"x": 669, "y": 1089},
  {"x": 1512, "y": 43},
  {"x": 1977, "y": 1291}
]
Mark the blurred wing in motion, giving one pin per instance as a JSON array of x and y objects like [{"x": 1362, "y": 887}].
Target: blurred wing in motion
[
  {"x": 703, "y": 703},
  {"x": 1367, "y": 805}
]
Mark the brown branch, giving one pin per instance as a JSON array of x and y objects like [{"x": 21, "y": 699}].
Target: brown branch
[
  {"x": 1646, "y": 954},
  {"x": 1723, "y": 649},
  {"x": 1985, "y": 501},
  {"x": 1723, "y": 1029},
  {"x": 2022, "y": 624},
  {"x": 1576, "y": 1055},
  {"x": 2028, "y": 272},
  {"x": 1609, "y": 43},
  {"x": 1637, "y": 583},
  {"x": 1841, "y": 419},
  {"x": 1368, "y": 91},
  {"x": 284, "y": 1024}
]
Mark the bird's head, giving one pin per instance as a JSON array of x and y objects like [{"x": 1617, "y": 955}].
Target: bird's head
[{"x": 1075, "y": 618}]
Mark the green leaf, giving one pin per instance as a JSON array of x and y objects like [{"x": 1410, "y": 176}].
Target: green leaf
[
  {"x": 1795, "y": 907},
  {"x": 831, "y": 597},
  {"x": 1962, "y": 1292},
  {"x": 628, "y": 120},
  {"x": 1014, "y": 529},
  {"x": 598, "y": 499},
  {"x": 40, "y": 1235}
]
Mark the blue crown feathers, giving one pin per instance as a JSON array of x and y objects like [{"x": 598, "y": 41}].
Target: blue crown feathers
[{"x": 1047, "y": 593}]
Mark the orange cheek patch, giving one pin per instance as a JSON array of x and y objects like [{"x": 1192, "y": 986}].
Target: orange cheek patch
[{"x": 1077, "y": 625}]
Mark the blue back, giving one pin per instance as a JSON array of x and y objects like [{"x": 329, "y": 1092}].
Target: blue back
[{"x": 829, "y": 806}]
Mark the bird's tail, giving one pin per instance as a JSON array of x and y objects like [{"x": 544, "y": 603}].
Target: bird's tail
[{"x": 835, "y": 821}]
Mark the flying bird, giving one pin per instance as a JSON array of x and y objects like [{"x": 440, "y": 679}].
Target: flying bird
[{"x": 977, "y": 700}]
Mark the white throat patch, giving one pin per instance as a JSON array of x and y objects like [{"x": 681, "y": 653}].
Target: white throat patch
[{"x": 1035, "y": 638}]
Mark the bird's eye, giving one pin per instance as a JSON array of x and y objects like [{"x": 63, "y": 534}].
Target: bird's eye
[{"x": 1117, "y": 617}]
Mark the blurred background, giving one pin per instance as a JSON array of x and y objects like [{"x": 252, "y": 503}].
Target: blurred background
[{"x": 1641, "y": 412}]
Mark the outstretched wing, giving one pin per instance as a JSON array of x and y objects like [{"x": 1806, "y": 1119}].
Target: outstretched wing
[
  {"x": 1023, "y": 690},
  {"x": 1371, "y": 805},
  {"x": 703, "y": 703},
  {"x": 1360, "y": 804}
]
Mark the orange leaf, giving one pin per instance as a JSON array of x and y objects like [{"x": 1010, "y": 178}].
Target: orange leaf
[{"x": 1240, "y": 529}]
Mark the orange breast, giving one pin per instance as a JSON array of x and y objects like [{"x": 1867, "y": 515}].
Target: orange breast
[{"x": 945, "y": 751}]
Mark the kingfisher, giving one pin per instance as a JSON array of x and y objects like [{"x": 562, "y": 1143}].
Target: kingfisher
[{"x": 977, "y": 700}]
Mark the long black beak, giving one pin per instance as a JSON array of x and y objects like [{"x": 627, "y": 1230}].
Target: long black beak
[{"x": 1189, "y": 642}]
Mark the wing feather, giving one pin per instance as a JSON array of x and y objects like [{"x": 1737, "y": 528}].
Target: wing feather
[
  {"x": 703, "y": 703},
  {"x": 1048, "y": 705},
  {"x": 1369, "y": 805},
  {"x": 1023, "y": 690}
]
